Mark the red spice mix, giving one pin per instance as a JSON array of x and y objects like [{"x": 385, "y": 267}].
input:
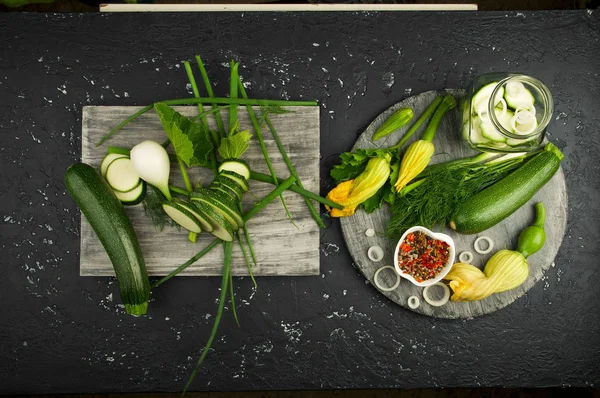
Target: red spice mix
[{"x": 422, "y": 256}]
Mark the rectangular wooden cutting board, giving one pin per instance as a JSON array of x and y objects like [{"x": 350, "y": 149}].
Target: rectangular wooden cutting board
[{"x": 281, "y": 247}]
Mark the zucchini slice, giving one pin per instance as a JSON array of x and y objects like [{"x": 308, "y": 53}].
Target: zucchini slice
[
  {"x": 108, "y": 160},
  {"x": 237, "y": 166},
  {"x": 222, "y": 228},
  {"x": 232, "y": 185},
  {"x": 482, "y": 97},
  {"x": 224, "y": 190},
  {"x": 182, "y": 216},
  {"x": 489, "y": 131},
  {"x": 516, "y": 95},
  {"x": 222, "y": 204},
  {"x": 237, "y": 178},
  {"x": 121, "y": 176},
  {"x": 205, "y": 223},
  {"x": 132, "y": 197}
]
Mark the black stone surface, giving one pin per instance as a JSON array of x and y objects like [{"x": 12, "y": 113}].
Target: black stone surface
[{"x": 61, "y": 333}]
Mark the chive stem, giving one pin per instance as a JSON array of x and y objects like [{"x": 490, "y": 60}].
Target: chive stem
[
  {"x": 204, "y": 100},
  {"x": 184, "y": 174},
  {"x": 224, "y": 282},
  {"x": 252, "y": 254},
  {"x": 232, "y": 298},
  {"x": 263, "y": 147},
  {"x": 292, "y": 169},
  {"x": 118, "y": 150},
  {"x": 211, "y": 94},
  {"x": 256, "y": 176},
  {"x": 233, "y": 94},
  {"x": 189, "y": 262},
  {"x": 269, "y": 198},
  {"x": 178, "y": 190},
  {"x": 245, "y": 254}
]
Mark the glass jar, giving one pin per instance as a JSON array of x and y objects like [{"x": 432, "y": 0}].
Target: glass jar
[{"x": 506, "y": 112}]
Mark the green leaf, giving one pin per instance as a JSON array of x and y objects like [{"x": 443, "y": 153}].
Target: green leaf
[
  {"x": 181, "y": 143},
  {"x": 190, "y": 140},
  {"x": 235, "y": 145},
  {"x": 354, "y": 163}
]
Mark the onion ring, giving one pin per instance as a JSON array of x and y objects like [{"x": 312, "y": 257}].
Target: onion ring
[
  {"x": 527, "y": 107},
  {"x": 440, "y": 302},
  {"x": 413, "y": 302},
  {"x": 513, "y": 124},
  {"x": 467, "y": 254},
  {"x": 370, "y": 232},
  {"x": 483, "y": 251},
  {"x": 375, "y": 253},
  {"x": 383, "y": 288}
]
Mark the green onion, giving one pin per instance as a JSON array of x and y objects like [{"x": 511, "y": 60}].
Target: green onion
[
  {"x": 210, "y": 93},
  {"x": 202, "y": 100},
  {"x": 227, "y": 247},
  {"x": 256, "y": 176}
]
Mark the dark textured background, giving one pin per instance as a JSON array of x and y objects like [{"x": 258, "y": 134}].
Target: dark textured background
[{"x": 64, "y": 333}]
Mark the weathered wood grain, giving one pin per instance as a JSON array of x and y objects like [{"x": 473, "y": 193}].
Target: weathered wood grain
[
  {"x": 449, "y": 146},
  {"x": 281, "y": 248}
]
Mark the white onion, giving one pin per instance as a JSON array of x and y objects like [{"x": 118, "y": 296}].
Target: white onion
[
  {"x": 483, "y": 251},
  {"x": 468, "y": 255},
  {"x": 440, "y": 302},
  {"x": 375, "y": 253},
  {"x": 413, "y": 302},
  {"x": 381, "y": 287},
  {"x": 151, "y": 161}
]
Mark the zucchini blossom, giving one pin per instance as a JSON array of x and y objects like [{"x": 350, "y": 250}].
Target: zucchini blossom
[
  {"x": 352, "y": 193},
  {"x": 506, "y": 270},
  {"x": 419, "y": 153}
]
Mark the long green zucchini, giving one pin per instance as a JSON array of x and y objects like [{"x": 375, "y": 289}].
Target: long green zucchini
[
  {"x": 105, "y": 214},
  {"x": 498, "y": 201}
]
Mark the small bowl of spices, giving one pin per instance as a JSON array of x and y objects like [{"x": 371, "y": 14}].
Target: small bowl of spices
[{"x": 424, "y": 257}]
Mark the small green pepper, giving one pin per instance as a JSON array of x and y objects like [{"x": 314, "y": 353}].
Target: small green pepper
[{"x": 533, "y": 237}]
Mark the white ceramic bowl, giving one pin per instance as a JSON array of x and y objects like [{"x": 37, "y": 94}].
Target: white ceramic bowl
[{"x": 435, "y": 235}]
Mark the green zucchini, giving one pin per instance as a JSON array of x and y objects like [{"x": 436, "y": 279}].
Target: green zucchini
[
  {"x": 107, "y": 217},
  {"x": 498, "y": 201}
]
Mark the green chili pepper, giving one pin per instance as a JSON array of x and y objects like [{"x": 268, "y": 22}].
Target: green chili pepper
[{"x": 533, "y": 237}]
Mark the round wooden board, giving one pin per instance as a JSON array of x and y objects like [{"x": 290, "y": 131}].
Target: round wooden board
[{"x": 448, "y": 146}]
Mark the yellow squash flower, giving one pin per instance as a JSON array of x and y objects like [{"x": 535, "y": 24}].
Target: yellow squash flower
[{"x": 352, "y": 193}]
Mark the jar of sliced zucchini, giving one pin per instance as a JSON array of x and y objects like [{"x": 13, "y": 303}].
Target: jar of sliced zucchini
[{"x": 506, "y": 112}]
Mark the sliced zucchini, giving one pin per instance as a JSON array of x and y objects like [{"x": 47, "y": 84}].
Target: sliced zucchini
[
  {"x": 182, "y": 216},
  {"x": 121, "y": 176},
  {"x": 196, "y": 211},
  {"x": 475, "y": 132},
  {"x": 221, "y": 203},
  {"x": 489, "y": 131},
  {"x": 482, "y": 97},
  {"x": 237, "y": 178},
  {"x": 222, "y": 228},
  {"x": 224, "y": 190},
  {"x": 237, "y": 166},
  {"x": 231, "y": 184},
  {"x": 517, "y": 95},
  {"x": 236, "y": 193},
  {"x": 108, "y": 160},
  {"x": 133, "y": 197}
]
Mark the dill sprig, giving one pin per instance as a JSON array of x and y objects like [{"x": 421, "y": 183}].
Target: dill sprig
[{"x": 430, "y": 201}]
